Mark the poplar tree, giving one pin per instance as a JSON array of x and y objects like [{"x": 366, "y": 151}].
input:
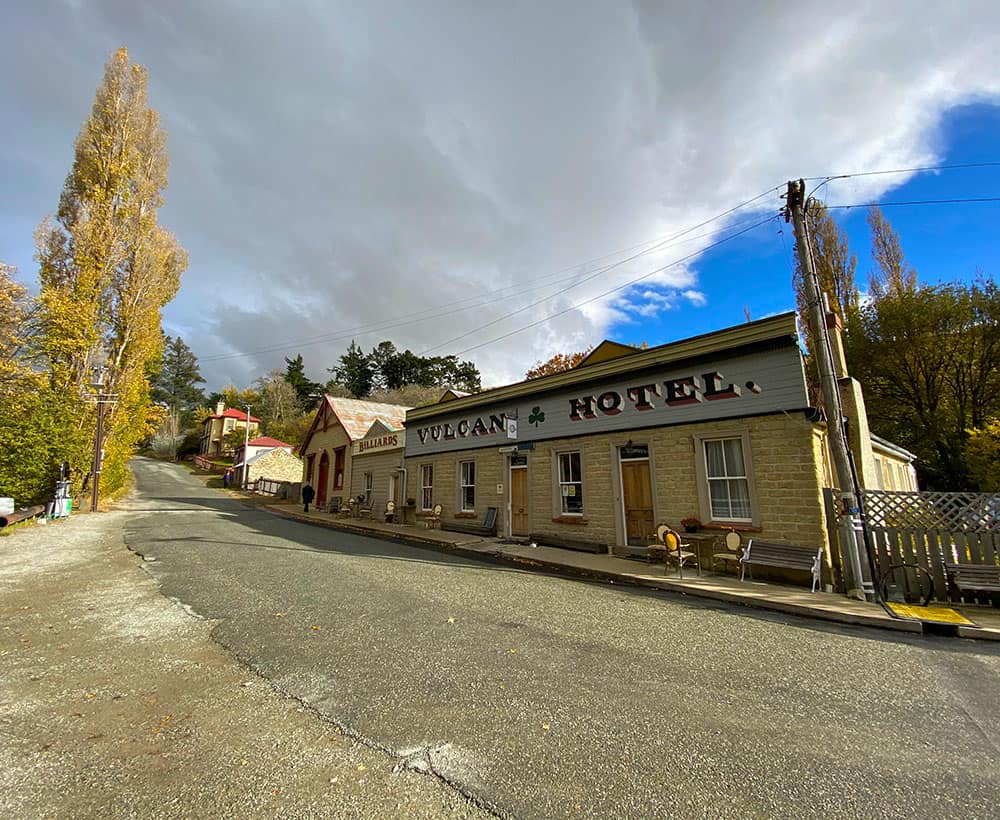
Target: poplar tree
[{"x": 106, "y": 268}]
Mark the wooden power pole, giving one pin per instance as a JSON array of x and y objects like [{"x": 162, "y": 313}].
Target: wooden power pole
[{"x": 831, "y": 395}]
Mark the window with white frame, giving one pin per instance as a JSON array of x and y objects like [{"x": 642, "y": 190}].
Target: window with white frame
[
  {"x": 570, "y": 483},
  {"x": 467, "y": 485},
  {"x": 427, "y": 486},
  {"x": 369, "y": 484},
  {"x": 728, "y": 483}
]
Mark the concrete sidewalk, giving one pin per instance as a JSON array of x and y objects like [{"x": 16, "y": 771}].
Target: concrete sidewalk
[{"x": 727, "y": 588}]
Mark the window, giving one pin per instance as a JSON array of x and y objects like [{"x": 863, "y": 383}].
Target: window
[
  {"x": 570, "y": 483},
  {"x": 338, "y": 468},
  {"x": 228, "y": 424},
  {"x": 467, "y": 473},
  {"x": 427, "y": 487},
  {"x": 310, "y": 463},
  {"x": 728, "y": 485},
  {"x": 369, "y": 483}
]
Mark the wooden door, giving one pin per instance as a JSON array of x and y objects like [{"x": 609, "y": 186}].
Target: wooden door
[
  {"x": 519, "y": 501},
  {"x": 321, "y": 482},
  {"x": 638, "y": 492}
]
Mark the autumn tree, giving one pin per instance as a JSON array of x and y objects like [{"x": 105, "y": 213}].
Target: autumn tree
[
  {"x": 557, "y": 364},
  {"x": 982, "y": 453},
  {"x": 278, "y": 403},
  {"x": 929, "y": 360},
  {"x": 106, "y": 269},
  {"x": 892, "y": 275}
]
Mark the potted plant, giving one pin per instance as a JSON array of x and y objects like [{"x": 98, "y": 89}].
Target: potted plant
[
  {"x": 690, "y": 524},
  {"x": 411, "y": 502}
]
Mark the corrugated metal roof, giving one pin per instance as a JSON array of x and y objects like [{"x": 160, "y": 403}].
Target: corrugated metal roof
[
  {"x": 267, "y": 441},
  {"x": 357, "y": 416}
]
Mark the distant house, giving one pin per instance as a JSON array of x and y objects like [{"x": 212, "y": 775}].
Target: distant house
[
  {"x": 290, "y": 468},
  {"x": 327, "y": 447},
  {"x": 222, "y": 422}
]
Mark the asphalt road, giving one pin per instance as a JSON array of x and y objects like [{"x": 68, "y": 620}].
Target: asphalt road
[{"x": 546, "y": 697}]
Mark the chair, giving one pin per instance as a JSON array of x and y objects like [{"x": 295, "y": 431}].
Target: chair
[
  {"x": 733, "y": 552},
  {"x": 364, "y": 508},
  {"x": 434, "y": 519},
  {"x": 334, "y": 507},
  {"x": 657, "y": 549},
  {"x": 390, "y": 511},
  {"x": 676, "y": 550}
]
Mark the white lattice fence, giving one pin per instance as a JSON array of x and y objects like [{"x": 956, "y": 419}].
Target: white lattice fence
[{"x": 927, "y": 529}]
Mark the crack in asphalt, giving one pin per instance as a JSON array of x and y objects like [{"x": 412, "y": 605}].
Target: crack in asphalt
[{"x": 420, "y": 759}]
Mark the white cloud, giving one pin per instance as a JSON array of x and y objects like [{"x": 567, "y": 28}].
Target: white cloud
[{"x": 337, "y": 166}]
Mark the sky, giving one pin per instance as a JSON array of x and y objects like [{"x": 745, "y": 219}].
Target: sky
[{"x": 507, "y": 181}]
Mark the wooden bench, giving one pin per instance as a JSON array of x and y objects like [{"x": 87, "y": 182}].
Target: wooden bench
[
  {"x": 974, "y": 577},
  {"x": 488, "y": 527},
  {"x": 786, "y": 556},
  {"x": 568, "y": 543}
]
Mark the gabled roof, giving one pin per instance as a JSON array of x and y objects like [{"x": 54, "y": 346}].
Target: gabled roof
[
  {"x": 267, "y": 441},
  {"x": 605, "y": 352},
  {"x": 380, "y": 428},
  {"x": 232, "y": 413},
  {"x": 266, "y": 453},
  {"x": 356, "y": 417},
  {"x": 451, "y": 393}
]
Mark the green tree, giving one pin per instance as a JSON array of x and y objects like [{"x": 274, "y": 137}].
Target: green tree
[
  {"x": 355, "y": 372},
  {"x": 106, "y": 269},
  {"x": 929, "y": 360},
  {"x": 307, "y": 391},
  {"x": 175, "y": 384}
]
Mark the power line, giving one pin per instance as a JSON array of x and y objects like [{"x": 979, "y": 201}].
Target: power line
[
  {"x": 981, "y": 199},
  {"x": 488, "y": 297},
  {"x": 915, "y": 169},
  {"x": 631, "y": 282}
]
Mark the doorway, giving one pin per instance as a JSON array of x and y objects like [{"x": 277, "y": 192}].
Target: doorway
[
  {"x": 321, "y": 482},
  {"x": 519, "y": 524},
  {"x": 637, "y": 494}
]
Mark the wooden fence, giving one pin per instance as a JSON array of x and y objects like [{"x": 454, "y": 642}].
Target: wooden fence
[{"x": 910, "y": 530}]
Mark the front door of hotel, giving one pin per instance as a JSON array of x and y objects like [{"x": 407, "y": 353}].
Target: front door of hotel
[
  {"x": 637, "y": 493},
  {"x": 321, "y": 482},
  {"x": 518, "y": 498}
]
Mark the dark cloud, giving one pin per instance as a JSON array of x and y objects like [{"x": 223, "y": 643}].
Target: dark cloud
[{"x": 338, "y": 166}]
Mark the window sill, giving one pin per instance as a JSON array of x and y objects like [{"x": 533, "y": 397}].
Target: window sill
[
  {"x": 466, "y": 515},
  {"x": 569, "y": 519},
  {"x": 739, "y": 527}
]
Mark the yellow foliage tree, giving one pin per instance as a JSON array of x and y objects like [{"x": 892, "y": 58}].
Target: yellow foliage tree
[{"x": 107, "y": 268}]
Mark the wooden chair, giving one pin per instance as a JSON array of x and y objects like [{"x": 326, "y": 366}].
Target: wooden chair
[
  {"x": 390, "y": 512},
  {"x": 658, "y": 549},
  {"x": 733, "y": 552},
  {"x": 676, "y": 550},
  {"x": 364, "y": 508},
  {"x": 434, "y": 519}
]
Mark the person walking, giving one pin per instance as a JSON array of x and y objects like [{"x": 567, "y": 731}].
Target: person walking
[
  {"x": 308, "y": 494},
  {"x": 227, "y": 479}
]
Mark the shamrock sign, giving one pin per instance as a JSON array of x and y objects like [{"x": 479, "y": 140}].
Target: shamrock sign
[{"x": 536, "y": 417}]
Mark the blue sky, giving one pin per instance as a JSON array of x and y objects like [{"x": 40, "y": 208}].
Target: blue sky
[{"x": 437, "y": 174}]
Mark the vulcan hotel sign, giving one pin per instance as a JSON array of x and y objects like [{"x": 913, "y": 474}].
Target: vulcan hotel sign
[{"x": 738, "y": 386}]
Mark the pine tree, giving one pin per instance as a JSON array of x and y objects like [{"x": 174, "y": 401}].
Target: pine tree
[
  {"x": 355, "y": 372},
  {"x": 176, "y": 383},
  {"x": 308, "y": 392}
]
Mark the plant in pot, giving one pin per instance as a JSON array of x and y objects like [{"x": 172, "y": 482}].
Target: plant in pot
[
  {"x": 690, "y": 524},
  {"x": 411, "y": 502}
]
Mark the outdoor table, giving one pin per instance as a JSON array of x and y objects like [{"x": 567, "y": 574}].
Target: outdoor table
[{"x": 699, "y": 541}]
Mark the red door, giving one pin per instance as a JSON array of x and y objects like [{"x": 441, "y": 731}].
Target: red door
[{"x": 324, "y": 473}]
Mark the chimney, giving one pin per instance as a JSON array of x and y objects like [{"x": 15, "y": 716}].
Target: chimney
[
  {"x": 220, "y": 408},
  {"x": 835, "y": 327}
]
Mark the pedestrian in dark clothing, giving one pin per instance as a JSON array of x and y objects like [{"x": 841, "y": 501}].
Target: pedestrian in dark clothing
[
  {"x": 308, "y": 494},
  {"x": 227, "y": 478}
]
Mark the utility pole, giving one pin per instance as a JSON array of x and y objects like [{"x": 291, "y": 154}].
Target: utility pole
[
  {"x": 246, "y": 448},
  {"x": 850, "y": 525},
  {"x": 102, "y": 399}
]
